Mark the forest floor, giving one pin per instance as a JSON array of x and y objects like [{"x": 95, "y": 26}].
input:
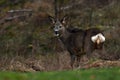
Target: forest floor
[{"x": 52, "y": 62}]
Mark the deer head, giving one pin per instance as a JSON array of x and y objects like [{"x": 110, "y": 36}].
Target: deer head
[{"x": 59, "y": 26}]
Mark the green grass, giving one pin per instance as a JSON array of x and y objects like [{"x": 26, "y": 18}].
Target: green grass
[{"x": 89, "y": 74}]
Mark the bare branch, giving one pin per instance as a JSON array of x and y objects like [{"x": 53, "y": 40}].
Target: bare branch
[{"x": 22, "y": 10}]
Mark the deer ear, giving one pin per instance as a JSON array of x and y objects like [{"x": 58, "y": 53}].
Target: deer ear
[
  {"x": 64, "y": 19},
  {"x": 52, "y": 19}
]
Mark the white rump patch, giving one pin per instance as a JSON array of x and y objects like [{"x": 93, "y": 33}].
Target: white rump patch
[{"x": 98, "y": 36}]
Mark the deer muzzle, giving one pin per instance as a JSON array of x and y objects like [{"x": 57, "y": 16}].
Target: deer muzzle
[{"x": 56, "y": 33}]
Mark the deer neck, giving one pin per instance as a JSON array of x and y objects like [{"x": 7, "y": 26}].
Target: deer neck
[{"x": 65, "y": 35}]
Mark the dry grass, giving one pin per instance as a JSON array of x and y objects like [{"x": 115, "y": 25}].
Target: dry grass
[
  {"x": 51, "y": 62},
  {"x": 58, "y": 61}
]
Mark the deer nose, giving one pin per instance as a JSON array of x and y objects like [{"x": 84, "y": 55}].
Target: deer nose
[{"x": 56, "y": 33}]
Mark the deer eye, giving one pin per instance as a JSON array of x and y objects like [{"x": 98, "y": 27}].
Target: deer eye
[{"x": 60, "y": 26}]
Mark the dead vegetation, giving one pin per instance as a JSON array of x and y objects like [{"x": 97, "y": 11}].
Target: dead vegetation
[{"x": 58, "y": 61}]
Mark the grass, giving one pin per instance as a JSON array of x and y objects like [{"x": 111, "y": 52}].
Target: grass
[{"x": 89, "y": 74}]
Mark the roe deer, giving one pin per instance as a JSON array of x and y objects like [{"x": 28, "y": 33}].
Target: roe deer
[{"x": 77, "y": 41}]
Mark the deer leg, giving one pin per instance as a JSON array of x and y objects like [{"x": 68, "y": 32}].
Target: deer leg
[
  {"x": 89, "y": 49},
  {"x": 78, "y": 61},
  {"x": 72, "y": 61}
]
